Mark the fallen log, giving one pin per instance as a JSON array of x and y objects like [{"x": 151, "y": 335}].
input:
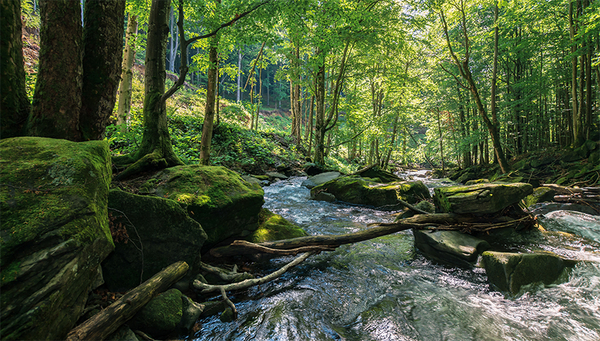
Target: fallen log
[
  {"x": 436, "y": 221},
  {"x": 104, "y": 323}
]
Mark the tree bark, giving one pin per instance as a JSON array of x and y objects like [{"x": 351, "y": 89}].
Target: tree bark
[
  {"x": 127, "y": 73},
  {"x": 102, "y": 57},
  {"x": 57, "y": 98},
  {"x": 14, "y": 104},
  {"x": 110, "y": 319},
  {"x": 209, "y": 109}
]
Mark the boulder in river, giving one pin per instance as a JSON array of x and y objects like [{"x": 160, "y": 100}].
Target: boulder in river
[
  {"x": 509, "y": 272},
  {"x": 356, "y": 190},
  {"x": 450, "y": 247},
  {"x": 219, "y": 199},
  {"x": 274, "y": 227},
  {"x": 54, "y": 232},
  {"x": 481, "y": 198},
  {"x": 378, "y": 174},
  {"x": 154, "y": 233},
  {"x": 320, "y": 179}
]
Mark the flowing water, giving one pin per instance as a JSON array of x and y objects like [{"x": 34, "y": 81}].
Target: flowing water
[{"x": 382, "y": 289}]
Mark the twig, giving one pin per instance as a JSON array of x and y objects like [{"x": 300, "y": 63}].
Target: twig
[
  {"x": 229, "y": 303},
  {"x": 207, "y": 288},
  {"x": 286, "y": 252}
]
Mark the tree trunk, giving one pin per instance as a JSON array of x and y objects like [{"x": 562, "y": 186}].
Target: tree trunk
[
  {"x": 238, "y": 97},
  {"x": 577, "y": 128},
  {"x": 320, "y": 115},
  {"x": 103, "y": 46},
  {"x": 209, "y": 110},
  {"x": 441, "y": 140},
  {"x": 127, "y": 73},
  {"x": 110, "y": 319},
  {"x": 57, "y": 98},
  {"x": 14, "y": 108},
  {"x": 156, "y": 151}
]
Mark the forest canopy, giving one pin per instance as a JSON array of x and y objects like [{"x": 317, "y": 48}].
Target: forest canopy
[{"x": 452, "y": 82}]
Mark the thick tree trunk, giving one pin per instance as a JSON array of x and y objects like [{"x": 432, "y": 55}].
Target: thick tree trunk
[
  {"x": 110, "y": 319},
  {"x": 156, "y": 150},
  {"x": 127, "y": 73},
  {"x": 209, "y": 110},
  {"x": 102, "y": 57},
  {"x": 14, "y": 104},
  {"x": 57, "y": 98}
]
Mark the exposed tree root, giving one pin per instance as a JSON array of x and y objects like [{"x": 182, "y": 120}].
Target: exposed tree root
[{"x": 148, "y": 162}]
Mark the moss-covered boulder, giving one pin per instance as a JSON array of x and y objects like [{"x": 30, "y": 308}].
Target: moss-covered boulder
[
  {"x": 450, "y": 247},
  {"x": 509, "y": 272},
  {"x": 219, "y": 199},
  {"x": 540, "y": 194},
  {"x": 54, "y": 232},
  {"x": 274, "y": 227},
  {"x": 375, "y": 172},
  {"x": 161, "y": 316},
  {"x": 479, "y": 199},
  {"x": 150, "y": 234},
  {"x": 356, "y": 190}
]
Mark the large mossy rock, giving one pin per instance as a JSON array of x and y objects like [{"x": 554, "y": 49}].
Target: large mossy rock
[
  {"x": 274, "y": 227},
  {"x": 54, "y": 232},
  {"x": 540, "y": 194},
  {"x": 450, "y": 247},
  {"x": 509, "y": 272},
  {"x": 375, "y": 172},
  {"x": 356, "y": 190},
  {"x": 161, "y": 316},
  {"x": 479, "y": 199},
  {"x": 219, "y": 199},
  {"x": 160, "y": 233}
]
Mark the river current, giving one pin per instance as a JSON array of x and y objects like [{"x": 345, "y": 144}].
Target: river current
[{"x": 383, "y": 289}]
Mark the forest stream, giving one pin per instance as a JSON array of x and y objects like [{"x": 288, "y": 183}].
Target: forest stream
[{"x": 383, "y": 289}]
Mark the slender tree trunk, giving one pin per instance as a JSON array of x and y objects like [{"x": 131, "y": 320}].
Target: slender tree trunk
[
  {"x": 102, "y": 58},
  {"x": 15, "y": 108},
  {"x": 577, "y": 128},
  {"x": 441, "y": 140},
  {"x": 209, "y": 111},
  {"x": 320, "y": 114},
  {"x": 57, "y": 98},
  {"x": 238, "y": 97},
  {"x": 127, "y": 73}
]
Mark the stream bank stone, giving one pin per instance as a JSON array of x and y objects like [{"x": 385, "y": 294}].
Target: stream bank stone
[
  {"x": 159, "y": 233},
  {"x": 509, "y": 272},
  {"x": 54, "y": 232},
  {"x": 356, "y": 190},
  {"x": 450, "y": 247},
  {"x": 274, "y": 227},
  {"x": 481, "y": 198},
  {"x": 320, "y": 179},
  {"x": 219, "y": 199}
]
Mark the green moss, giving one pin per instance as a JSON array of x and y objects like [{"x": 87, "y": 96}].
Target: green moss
[
  {"x": 161, "y": 315},
  {"x": 50, "y": 184},
  {"x": 274, "y": 227}
]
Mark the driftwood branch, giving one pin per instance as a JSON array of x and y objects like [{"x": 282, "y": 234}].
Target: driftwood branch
[
  {"x": 101, "y": 325},
  {"x": 286, "y": 252},
  {"x": 438, "y": 221},
  {"x": 208, "y": 288}
]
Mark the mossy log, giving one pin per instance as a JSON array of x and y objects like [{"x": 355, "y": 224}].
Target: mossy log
[
  {"x": 110, "y": 319},
  {"x": 437, "y": 221}
]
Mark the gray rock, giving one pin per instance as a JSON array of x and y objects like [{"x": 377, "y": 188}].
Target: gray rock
[
  {"x": 276, "y": 175},
  {"x": 509, "y": 272},
  {"x": 191, "y": 313},
  {"x": 450, "y": 247},
  {"x": 324, "y": 196},
  {"x": 320, "y": 179}
]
